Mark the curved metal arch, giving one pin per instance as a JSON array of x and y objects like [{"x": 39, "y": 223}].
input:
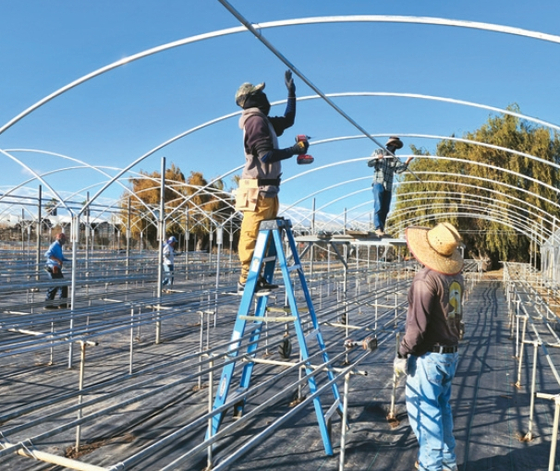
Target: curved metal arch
[
  {"x": 489, "y": 190},
  {"x": 425, "y": 172},
  {"x": 38, "y": 177},
  {"x": 447, "y": 138},
  {"x": 522, "y": 222},
  {"x": 456, "y": 196},
  {"x": 275, "y": 24},
  {"x": 441, "y": 216},
  {"x": 522, "y": 190},
  {"x": 482, "y": 164},
  {"x": 336, "y": 19}
]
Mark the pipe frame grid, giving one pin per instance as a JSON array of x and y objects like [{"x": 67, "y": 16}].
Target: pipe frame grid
[
  {"x": 361, "y": 301},
  {"x": 526, "y": 304}
]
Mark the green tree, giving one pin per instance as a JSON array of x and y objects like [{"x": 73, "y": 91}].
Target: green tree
[{"x": 515, "y": 192}]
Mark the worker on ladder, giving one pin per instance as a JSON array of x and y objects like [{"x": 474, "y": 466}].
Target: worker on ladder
[{"x": 257, "y": 195}]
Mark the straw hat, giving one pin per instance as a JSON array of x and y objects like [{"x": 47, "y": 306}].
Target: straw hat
[{"x": 436, "y": 248}]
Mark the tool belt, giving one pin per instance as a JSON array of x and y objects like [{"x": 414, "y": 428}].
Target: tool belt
[
  {"x": 269, "y": 181},
  {"x": 248, "y": 192},
  {"x": 442, "y": 349}
]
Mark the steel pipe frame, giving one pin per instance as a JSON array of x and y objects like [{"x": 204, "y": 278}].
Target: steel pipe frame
[
  {"x": 363, "y": 18},
  {"x": 389, "y": 321},
  {"x": 528, "y": 319}
]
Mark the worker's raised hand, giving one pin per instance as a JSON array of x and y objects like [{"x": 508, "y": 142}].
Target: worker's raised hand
[{"x": 290, "y": 85}]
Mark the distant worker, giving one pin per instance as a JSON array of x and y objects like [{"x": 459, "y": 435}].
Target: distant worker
[
  {"x": 385, "y": 166},
  {"x": 257, "y": 195},
  {"x": 169, "y": 261},
  {"x": 428, "y": 350},
  {"x": 55, "y": 259}
]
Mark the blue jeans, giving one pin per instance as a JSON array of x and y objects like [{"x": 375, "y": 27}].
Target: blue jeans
[
  {"x": 51, "y": 292},
  {"x": 381, "y": 205},
  {"x": 428, "y": 389},
  {"x": 168, "y": 279}
]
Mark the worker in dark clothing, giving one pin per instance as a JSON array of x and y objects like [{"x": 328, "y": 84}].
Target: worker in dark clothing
[
  {"x": 428, "y": 350},
  {"x": 257, "y": 195}
]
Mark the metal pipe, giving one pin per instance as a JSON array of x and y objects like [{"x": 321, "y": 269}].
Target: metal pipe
[
  {"x": 161, "y": 239},
  {"x": 53, "y": 459},
  {"x": 344, "y": 421}
]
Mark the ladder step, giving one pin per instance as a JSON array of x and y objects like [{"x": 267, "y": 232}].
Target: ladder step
[
  {"x": 237, "y": 393},
  {"x": 269, "y": 259},
  {"x": 291, "y": 268},
  {"x": 332, "y": 409},
  {"x": 269, "y": 318},
  {"x": 285, "y": 309},
  {"x": 313, "y": 332}
]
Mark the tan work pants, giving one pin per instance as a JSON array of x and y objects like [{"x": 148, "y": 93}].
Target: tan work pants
[{"x": 267, "y": 208}]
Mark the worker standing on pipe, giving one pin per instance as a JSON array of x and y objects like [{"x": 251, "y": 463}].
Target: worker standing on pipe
[
  {"x": 428, "y": 350},
  {"x": 385, "y": 164},
  {"x": 257, "y": 195}
]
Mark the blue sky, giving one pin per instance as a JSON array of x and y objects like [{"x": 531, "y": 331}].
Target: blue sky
[{"x": 115, "y": 118}]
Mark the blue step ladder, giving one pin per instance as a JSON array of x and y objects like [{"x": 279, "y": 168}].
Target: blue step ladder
[{"x": 269, "y": 249}]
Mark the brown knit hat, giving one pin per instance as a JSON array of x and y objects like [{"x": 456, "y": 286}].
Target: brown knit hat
[
  {"x": 436, "y": 248},
  {"x": 245, "y": 90}
]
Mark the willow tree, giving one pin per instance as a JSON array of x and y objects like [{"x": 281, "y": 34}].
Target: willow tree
[
  {"x": 500, "y": 190},
  {"x": 145, "y": 202},
  {"x": 190, "y": 203},
  {"x": 208, "y": 205}
]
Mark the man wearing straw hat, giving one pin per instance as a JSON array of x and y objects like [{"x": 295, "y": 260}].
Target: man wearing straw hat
[{"x": 428, "y": 350}]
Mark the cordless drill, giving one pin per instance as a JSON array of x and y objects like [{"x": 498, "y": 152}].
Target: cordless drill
[{"x": 305, "y": 158}]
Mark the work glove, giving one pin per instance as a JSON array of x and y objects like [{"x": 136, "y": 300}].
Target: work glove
[
  {"x": 400, "y": 366},
  {"x": 290, "y": 85},
  {"x": 300, "y": 148}
]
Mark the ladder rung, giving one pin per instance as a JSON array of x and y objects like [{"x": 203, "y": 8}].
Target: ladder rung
[
  {"x": 291, "y": 268},
  {"x": 332, "y": 409},
  {"x": 313, "y": 332},
  {"x": 237, "y": 393},
  {"x": 269, "y": 259},
  {"x": 285, "y": 309},
  {"x": 268, "y": 318}
]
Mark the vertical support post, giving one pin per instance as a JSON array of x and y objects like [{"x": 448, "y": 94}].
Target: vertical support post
[
  {"x": 87, "y": 234},
  {"x": 518, "y": 384},
  {"x": 187, "y": 240},
  {"x": 39, "y": 227},
  {"x": 529, "y": 435},
  {"x": 312, "y": 248},
  {"x": 74, "y": 236},
  {"x": 128, "y": 235},
  {"x": 80, "y": 388},
  {"x": 344, "y": 420},
  {"x": 160, "y": 238},
  {"x": 392, "y": 414},
  {"x": 210, "y": 406},
  {"x": 131, "y": 354},
  {"x": 554, "y": 440},
  {"x": 219, "y": 242}
]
